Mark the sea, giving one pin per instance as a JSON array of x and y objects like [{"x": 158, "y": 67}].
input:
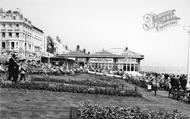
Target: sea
[{"x": 164, "y": 69}]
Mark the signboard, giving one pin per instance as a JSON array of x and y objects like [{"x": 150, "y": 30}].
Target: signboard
[{"x": 160, "y": 21}]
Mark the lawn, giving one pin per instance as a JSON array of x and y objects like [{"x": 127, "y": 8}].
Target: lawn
[{"x": 36, "y": 104}]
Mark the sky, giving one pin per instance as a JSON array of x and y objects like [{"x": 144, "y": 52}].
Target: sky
[{"x": 106, "y": 24}]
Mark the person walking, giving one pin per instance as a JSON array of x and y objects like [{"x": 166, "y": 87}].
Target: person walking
[
  {"x": 16, "y": 71},
  {"x": 11, "y": 67}
]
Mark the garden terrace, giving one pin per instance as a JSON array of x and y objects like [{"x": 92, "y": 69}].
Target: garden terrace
[{"x": 24, "y": 103}]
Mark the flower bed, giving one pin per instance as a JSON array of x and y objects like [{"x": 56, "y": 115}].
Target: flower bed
[
  {"x": 140, "y": 83},
  {"x": 89, "y": 111},
  {"x": 136, "y": 81},
  {"x": 79, "y": 82},
  {"x": 70, "y": 88}
]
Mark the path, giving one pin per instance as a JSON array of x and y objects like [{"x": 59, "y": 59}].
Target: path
[{"x": 161, "y": 100}]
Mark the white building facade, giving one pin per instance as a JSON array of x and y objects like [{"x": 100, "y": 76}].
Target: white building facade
[
  {"x": 131, "y": 62},
  {"x": 18, "y": 35},
  {"x": 59, "y": 47}
]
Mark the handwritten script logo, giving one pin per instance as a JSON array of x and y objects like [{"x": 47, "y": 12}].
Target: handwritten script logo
[{"x": 160, "y": 21}]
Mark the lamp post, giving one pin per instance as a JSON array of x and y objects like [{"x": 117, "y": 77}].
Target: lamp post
[
  {"x": 188, "y": 58},
  {"x": 188, "y": 62},
  {"x": 187, "y": 28}
]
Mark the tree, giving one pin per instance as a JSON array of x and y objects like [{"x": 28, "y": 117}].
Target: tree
[{"x": 50, "y": 45}]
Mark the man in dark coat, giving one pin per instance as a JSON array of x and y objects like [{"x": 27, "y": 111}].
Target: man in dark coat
[
  {"x": 175, "y": 83},
  {"x": 183, "y": 82},
  {"x": 16, "y": 72},
  {"x": 11, "y": 67}
]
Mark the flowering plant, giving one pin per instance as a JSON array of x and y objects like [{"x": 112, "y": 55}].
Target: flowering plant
[{"x": 93, "y": 111}]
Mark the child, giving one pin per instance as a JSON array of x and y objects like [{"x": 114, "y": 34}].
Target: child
[{"x": 22, "y": 71}]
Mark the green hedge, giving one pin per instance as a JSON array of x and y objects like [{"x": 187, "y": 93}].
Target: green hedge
[
  {"x": 70, "y": 88},
  {"x": 89, "y": 111},
  {"x": 78, "y": 82}
]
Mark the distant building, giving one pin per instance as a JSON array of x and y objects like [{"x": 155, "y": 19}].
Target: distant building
[
  {"x": 121, "y": 59},
  {"x": 131, "y": 62},
  {"x": 114, "y": 59},
  {"x": 59, "y": 47},
  {"x": 19, "y": 35}
]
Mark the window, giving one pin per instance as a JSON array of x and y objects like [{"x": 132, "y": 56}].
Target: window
[
  {"x": 128, "y": 67},
  {"x": 12, "y": 45},
  {"x": 17, "y": 35},
  {"x": 17, "y": 25},
  {"x": 136, "y": 67},
  {"x": 16, "y": 45},
  {"x": 3, "y": 45},
  {"x": 10, "y": 25},
  {"x": 132, "y": 67},
  {"x": 14, "y": 17},
  {"x": 29, "y": 46},
  {"x": 3, "y": 25},
  {"x": 10, "y": 34},
  {"x": 3, "y": 34}
]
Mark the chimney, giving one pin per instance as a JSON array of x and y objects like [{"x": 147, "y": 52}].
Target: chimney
[
  {"x": 78, "y": 47},
  {"x": 18, "y": 10},
  {"x": 84, "y": 50}
]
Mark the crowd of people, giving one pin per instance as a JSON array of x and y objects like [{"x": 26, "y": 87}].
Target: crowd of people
[
  {"x": 165, "y": 81},
  {"x": 162, "y": 81}
]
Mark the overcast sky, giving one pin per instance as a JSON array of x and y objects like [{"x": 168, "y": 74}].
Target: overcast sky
[{"x": 98, "y": 24}]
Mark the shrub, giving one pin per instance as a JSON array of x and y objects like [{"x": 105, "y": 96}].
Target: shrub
[
  {"x": 90, "y": 111},
  {"x": 79, "y": 82},
  {"x": 69, "y": 88}
]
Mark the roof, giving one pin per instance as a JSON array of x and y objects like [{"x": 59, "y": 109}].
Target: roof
[
  {"x": 126, "y": 53},
  {"x": 76, "y": 53},
  {"x": 132, "y": 54},
  {"x": 37, "y": 29},
  {"x": 105, "y": 54}
]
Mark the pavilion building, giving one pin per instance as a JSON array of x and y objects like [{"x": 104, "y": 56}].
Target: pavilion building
[{"x": 123, "y": 60}]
